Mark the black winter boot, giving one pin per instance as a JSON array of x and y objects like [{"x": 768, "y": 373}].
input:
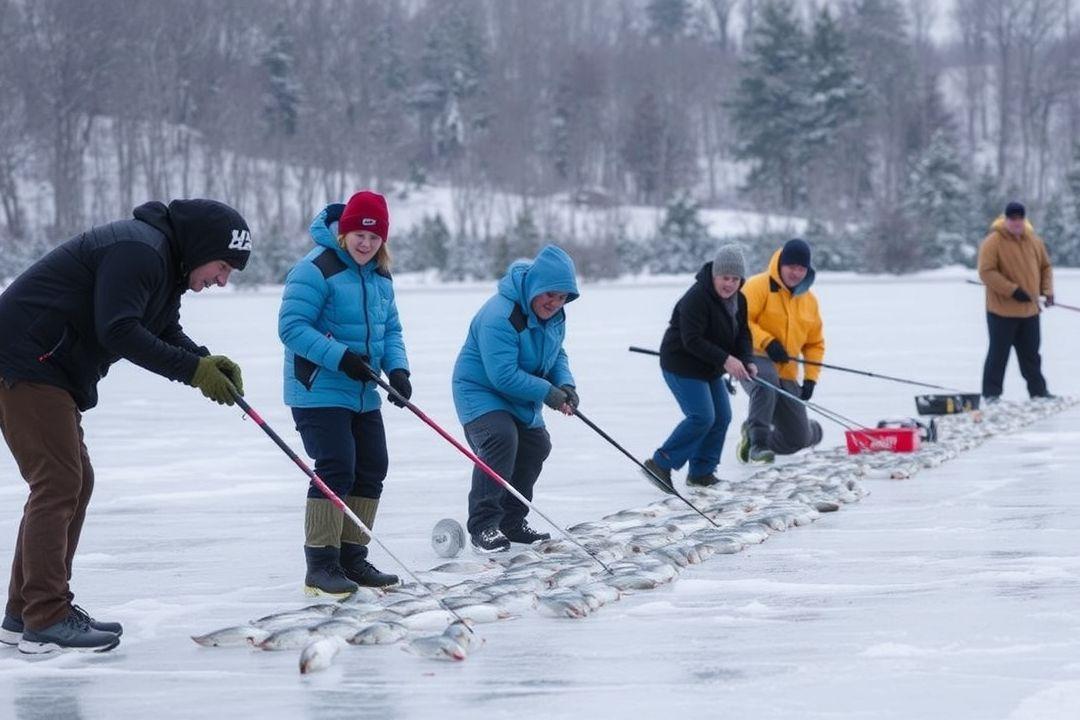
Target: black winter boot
[
  {"x": 325, "y": 575},
  {"x": 360, "y": 571},
  {"x": 71, "y": 633}
]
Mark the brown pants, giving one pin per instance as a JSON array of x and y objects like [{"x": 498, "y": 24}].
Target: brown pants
[{"x": 42, "y": 427}]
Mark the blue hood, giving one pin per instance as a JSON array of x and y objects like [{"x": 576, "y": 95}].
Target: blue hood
[
  {"x": 324, "y": 231},
  {"x": 552, "y": 270}
]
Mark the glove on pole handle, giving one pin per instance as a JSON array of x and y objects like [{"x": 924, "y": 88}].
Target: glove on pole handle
[
  {"x": 481, "y": 464},
  {"x": 338, "y": 503},
  {"x": 641, "y": 465},
  {"x": 1056, "y": 303}
]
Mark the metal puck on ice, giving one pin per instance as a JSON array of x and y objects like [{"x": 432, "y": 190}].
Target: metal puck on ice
[{"x": 447, "y": 538}]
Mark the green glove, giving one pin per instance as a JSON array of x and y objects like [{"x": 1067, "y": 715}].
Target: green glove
[
  {"x": 214, "y": 383},
  {"x": 231, "y": 370}
]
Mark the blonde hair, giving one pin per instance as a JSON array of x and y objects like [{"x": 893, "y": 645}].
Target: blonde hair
[{"x": 382, "y": 255}]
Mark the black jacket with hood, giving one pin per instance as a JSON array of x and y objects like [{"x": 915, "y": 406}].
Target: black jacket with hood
[
  {"x": 702, "y": 333},
  {"x": 114, "y": 292}
]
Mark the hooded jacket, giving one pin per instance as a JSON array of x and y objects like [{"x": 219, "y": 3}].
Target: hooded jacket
[
  {"x": 702, "y": 333},
  {"x": 511, "y": 358},
  {"x": 114, "y": 292},
  {"x": 791, "y": 316},
  {"x": 1008, "y": 262},
  {"x": 331, "y": 305}
]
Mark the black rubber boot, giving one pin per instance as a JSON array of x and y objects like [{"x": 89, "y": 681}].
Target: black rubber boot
[
  {"x": 325, "y": 575},
  {"x": 360, "y": 571}
]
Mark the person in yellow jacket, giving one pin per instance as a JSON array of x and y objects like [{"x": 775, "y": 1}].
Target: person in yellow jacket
[
  {"x": 784, "y": 323},
  {"x": 1015, "y": 268}
]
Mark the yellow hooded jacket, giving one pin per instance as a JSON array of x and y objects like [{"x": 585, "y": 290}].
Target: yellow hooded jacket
[
  {"x": 791, "y": 316},
  {"x": 1007, "y": 262}
]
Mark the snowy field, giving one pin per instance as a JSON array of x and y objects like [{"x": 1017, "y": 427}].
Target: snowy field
[{"x": 949, "y": 595}]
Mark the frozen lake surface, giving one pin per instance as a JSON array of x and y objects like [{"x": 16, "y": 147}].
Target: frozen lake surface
[{"x": 949, "y": 595}]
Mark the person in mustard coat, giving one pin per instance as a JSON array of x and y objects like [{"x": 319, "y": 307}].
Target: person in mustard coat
[
  {"x": 1015, "y": 268},
  {"x": 784, "y": 323}
]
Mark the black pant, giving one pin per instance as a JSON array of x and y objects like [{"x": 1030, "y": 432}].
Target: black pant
[
  {"x": 1007, "y": 333},
  {"x": 349, "y": 449},
  {"x": 517, "y": 454}
]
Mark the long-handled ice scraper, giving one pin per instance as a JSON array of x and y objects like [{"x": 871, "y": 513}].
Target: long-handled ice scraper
[
  {"x": 865, "y": 373},
  {"x": 338, "y": 503},
  {"x": 831, "y": 415},
  {"x": 1055, "y": 303},
  {"x": 479, "y": 463},
  {"x": 656, "y": 480}
]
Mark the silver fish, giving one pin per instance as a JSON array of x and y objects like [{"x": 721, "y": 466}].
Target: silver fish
[
  {"x": 464, "y": 568},
  {"x": 483, "y": 613},
  {"x": 380, "y": 633},
  {"x": 436, "y": 647},
  {"x": 464, "y": 636},
  {"x": 292, "y": 638},
  {"x": 237, "y": 636},
  {"x": 336, "y": 627},
  {"x": 319, "y": 654}
]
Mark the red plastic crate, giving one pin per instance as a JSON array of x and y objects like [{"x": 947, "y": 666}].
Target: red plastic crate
[{"x": 882, "y": 440}]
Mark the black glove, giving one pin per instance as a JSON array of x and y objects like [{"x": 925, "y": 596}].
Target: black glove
[
  {"x": 776, "y": 352},
  {"x": 399, "y": 380},
  {"x": 355, "y": 366},
  {"x": 1020, "y": 296},
  {"x": 807, "y": 389},
  {"x": 571, "y": 395},
  {"x": 555, "y": 398}
]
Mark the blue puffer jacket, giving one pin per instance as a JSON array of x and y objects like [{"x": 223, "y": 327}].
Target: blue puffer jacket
[
  {"x": 511, "y": 358},
  {"x": 330, "y": 304}
]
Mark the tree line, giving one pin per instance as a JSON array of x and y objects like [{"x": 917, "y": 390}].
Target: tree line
[{"x": 899, "y": 145}]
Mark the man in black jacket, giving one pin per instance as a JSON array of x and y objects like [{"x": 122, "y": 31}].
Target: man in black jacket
[{"x": 112, "y": 292}]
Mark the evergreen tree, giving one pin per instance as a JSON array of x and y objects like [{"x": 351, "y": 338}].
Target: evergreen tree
[
  {"x": 682, "y": 241},
  {"x": 643, "y": 150},
  {"x": 429, "y": 243},
  {"x": 281, "y": 101},
  {"x": 668, "y": 19},
  {"x": 838, "y": 98},
  {"x": 521, "y": 240},
  {"x": 1058, "y": 230},
  {"x": 985, "y": 207},
  {"x": 453, "y": 68},
  {"x": 771, "y": 107},
  {"x": 877, "y": 31},
  {"x": 936, "y": 203},
  {"x": 465, "y": 258},
  {"x": 1061, "y": 226}
]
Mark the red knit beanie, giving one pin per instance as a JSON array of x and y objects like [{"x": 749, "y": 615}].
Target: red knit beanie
[{"x": 366, "y": 210}]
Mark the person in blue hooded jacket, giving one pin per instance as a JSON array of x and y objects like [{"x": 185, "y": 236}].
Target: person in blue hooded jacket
[
  {"x": 512, "y": 363},
  {"x": 340, "y": 324}
]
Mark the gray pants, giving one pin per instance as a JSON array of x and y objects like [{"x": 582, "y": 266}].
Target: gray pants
[
  {"x": 517, "y": 454},
  {"x": 774, "y": 421}
]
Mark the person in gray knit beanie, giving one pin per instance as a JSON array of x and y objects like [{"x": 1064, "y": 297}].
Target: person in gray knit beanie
[
  {"x": 708, "y": 335},
  {"x": 729, "y": 260}
]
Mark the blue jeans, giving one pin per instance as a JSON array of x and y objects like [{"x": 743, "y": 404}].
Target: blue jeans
[
  {"x": 349, "y": 449},
  {"x": 699, "y": 438}
]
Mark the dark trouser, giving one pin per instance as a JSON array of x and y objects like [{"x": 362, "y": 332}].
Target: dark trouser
[
  {"x": 1007, "y": 333},
  {"x": 517, "y": 454},
  {"x": 774, "y": 421},
  {"x": 349, "y": 449},
  {"x": 43, "y": 428},
  {"x": 699, "y": 438}
]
